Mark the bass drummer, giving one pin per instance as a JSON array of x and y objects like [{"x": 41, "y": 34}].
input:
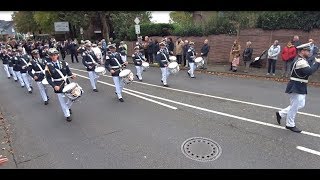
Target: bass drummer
[
  {"x": 114, "y": 64},
  {"x": 37, "y": 65},
  {"x": 89, "y": 60},
  {"x": 56, "y": 73}
]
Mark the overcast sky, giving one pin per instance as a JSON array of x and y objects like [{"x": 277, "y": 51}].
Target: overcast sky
[{"x": 157, "y": 16}]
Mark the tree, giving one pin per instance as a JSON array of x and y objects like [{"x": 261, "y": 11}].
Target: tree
[
  {"x": 180, "y": 17},
  {"x": 45, "y": 20},
  {"x": 24, "y": 22}
]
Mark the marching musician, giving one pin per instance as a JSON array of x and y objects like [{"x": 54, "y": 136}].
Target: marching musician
[
  {"x": 5, "y": 61},
  {"x": 90, "y": 61},
  {"x": 137, "y": 60},
  {"x": 23, "y": 63},
  {"x": 56, "y": 72},
  {"x": 10, "y": 60},
  {"x": 38, "y": 65},
  {"x": 191, "y": 55},
  {"x": 114, "y": 64},
  {"x": 297, "y": 86},
  {"x": 16, "y": 67},
  {"x": 163, "y": 60}
]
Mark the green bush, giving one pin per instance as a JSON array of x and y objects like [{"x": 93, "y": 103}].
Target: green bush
[{"x": 187, "y": 30}]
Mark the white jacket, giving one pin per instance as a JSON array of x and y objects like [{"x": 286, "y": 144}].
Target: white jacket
[{"x": 273, "y": 52}]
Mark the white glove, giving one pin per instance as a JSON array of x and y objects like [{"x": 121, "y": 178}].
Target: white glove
[{"x": 317, "y": 60}]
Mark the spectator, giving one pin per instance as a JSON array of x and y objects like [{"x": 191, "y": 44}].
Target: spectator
[
  {"x": 179, "y": 50},
  {"x": 145, "y": 45},
  {"x": 150, "y": 51},
  {"x": 273, "y": 53},
  {"x": 156, "y": 47},
  {"x": 204, "y": 53},
  {"x": 313, "y": 51},
  {"x": 288, "y": 54},
  {"x": 235, "y": 55},
  {"x": 122, "y": 50},
  {"x": 296, "y": 42},
  {"x": 170, "y": 45},
  {"x": 247, "y": 56},
  {"x": 185, "y": 52}
]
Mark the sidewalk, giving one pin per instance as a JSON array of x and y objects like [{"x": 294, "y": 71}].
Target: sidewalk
[
  {"x": 256, "y": 73},
  {"x": 6, "y": 157}
]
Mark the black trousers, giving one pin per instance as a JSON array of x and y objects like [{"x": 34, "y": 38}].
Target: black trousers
[
  {"x": 150, "y": 57},
  {"x": 75, "y": 55},
  {"x": 272, "y": 65},
  {"x": 63, "y": 54},
  {"x": 179, "y": 59}
]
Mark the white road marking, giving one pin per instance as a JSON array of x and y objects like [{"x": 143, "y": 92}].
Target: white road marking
[
  {"x": 216, "y": 97},
  {"x": 308, "y": 150},
  {"x": 208, "y": 110},
  {"x": 147, "y": 99}
]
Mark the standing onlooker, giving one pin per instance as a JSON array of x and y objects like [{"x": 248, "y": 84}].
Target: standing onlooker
[
  {"x": 204, "y": 53},
  {"x": 288, "y": 54},
  {"x": 73, "y": 51},
  {"x": 145, "y": 45},
  {"x": 170, "y": 45},
  {"x": 179, "y": 50},
  {"x": 122, "y": 50},
  {"x": 247, "y": 56},
  {"x": 273, "y": 53},
  {"x": 185, "y": 52},
  {"x": 295, "y": 41},
  {"x": 150, "y": 51},
  {"x": 235, "y": 55},
  {"x": 156, "y": 47},
  {"x": 313, "y": 51}
]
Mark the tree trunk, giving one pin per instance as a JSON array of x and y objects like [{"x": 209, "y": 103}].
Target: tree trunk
[{"x": 105, "y": 25}]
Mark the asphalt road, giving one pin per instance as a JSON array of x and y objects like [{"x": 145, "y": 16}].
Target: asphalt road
[{"x": 147, "y": 131}]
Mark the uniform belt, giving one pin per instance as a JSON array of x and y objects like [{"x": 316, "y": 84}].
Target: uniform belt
[
  {"x": 38, "y": 72},
  {"x": 297, "y": 79},
  {"x": 60, "y": 79},
  {"x": 138, "y": 59},
  {"x": 114, "y": 67},
  {"x": 163, "y": 60},
  {"x": 89, "y": 62}
]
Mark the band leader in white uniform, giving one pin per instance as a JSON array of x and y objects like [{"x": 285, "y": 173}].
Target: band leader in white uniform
[
  {"x": 163, "y": 60},
  {"x": 114, "y": 64},
  {"x": 38, "y": 65},
  {"x": 138, "y": 59},
  {"x": 55, "y": 72},
  {"x": 297, "y": 86},
  {"x": 90, "y": 61}
]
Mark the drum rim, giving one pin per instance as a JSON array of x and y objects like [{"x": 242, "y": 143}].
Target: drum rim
[
  {"x": 100, "y": 69},
  {"x": 176, "y": 64},
  {"x": 123, "y": 71},
  {"x": 63, "y": 90}
]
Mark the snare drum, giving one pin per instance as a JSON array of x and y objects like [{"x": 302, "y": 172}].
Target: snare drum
[
  {"x": 173, "y": 67},
  {"x": 145, "y": 65},
  {"x": 100, "y": 70},
  {"x": 72, "y": 91},
  {"x": 199, "y": 61},
  {"x": 126, "y": 75},
  {"x": 173, "y": 58}
]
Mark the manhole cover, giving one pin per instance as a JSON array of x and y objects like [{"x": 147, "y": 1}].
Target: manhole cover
[{"x": 201, "y": 149}]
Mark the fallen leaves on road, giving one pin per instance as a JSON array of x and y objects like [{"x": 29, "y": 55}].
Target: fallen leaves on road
[{"x": 3, "y": 160}]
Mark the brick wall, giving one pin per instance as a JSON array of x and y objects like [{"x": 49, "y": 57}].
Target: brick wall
[{"x": 261, "y": 40}]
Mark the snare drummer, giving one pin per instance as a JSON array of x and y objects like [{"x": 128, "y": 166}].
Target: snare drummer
[
  {"x": 38, "y": 65},
  {"x": 191, "y": 55},
  {"x": 114, "y": 64},
  {"x": 163, "y": 60},
  {"x": 89, "y": 60},
  {"x": 54, "y": 78},
  {"x": 137, "y": 60}
]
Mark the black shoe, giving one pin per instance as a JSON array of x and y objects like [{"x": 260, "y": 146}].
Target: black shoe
[
  {"x": 121, "y": 100},
  {"x": 46, "y": 103},
  {"x": 140, "y": 80},
  {"x": 193, "y": 77},
  {"x": 278, "y": 118},
  {"x": 30, "y": 92},
  {"x": 166, "y": 85},
  {"x": 95, "y": 90},
  {"x": 22, "y": 86},
  {"x": 8, "y": 77},
  {"x": 69, "y": 119},
  {"x": 294, "y": 129},
  {"x": 70, "y": 111},
  {"x": 15, "y": 80}
]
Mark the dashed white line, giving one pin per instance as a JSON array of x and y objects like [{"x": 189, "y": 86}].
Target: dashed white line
[
  {"x": 308, "y": 150},
  {"x": 216, "y": 97}
]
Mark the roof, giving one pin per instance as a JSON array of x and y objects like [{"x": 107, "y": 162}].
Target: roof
[{"x": 7, "y": 27}]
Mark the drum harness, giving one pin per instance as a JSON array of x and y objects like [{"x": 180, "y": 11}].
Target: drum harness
[{"x": 300, "y": 78}]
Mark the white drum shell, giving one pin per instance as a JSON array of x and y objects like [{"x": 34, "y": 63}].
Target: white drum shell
[
  {"x": 173, "y": 67},
  {"x": 127, "y": 76}
]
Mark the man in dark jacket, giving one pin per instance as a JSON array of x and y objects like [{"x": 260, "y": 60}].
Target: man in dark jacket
[{"x": 204, "y": 53}]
